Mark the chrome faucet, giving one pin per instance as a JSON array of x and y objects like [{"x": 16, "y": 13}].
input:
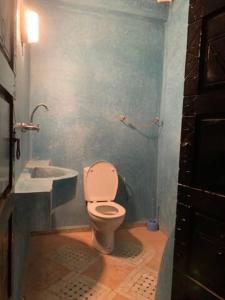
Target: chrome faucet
[
  {"x": 35, "y": 109},
  {"x": 23, "y": 126},
  {"x": 27, "y": 126}
]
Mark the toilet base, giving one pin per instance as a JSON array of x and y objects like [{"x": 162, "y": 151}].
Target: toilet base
[{"x": 103, "y": 242}]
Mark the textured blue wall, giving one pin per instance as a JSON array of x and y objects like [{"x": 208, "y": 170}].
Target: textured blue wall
[
  {"x": 92, "y": 64},
  {"x": 169, "y": 141},
  {"x": 171, "y": 112}
]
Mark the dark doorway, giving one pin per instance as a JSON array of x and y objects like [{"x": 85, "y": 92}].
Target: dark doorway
[{"x": 199, "y": 255}]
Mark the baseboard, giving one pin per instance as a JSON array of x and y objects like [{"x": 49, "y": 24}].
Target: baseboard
[
  {"x": 65, "y": 229},
  {"x": 133, "y": 225},
  {"x": 84, "y": 228}
]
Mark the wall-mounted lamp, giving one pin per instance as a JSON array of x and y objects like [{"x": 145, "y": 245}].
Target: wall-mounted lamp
[
  {"x": 164, "y": 1},
  {"x": 29, "y": 26}
]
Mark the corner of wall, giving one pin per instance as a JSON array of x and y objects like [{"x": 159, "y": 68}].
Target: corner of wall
[
  {"x": 171, "y": 112},
  {"x": 169, "y": 142}
]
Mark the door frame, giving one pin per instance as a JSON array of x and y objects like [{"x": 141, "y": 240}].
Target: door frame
[{"x": 10, "y": 59}]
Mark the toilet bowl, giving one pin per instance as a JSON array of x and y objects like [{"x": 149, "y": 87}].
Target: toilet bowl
[{"x": 100, "y": 182}]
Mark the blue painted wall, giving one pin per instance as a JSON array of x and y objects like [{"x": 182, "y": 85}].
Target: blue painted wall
[
  {"x": 169, "y": 141},
  {"x": 94, "y": 62},
  {"x": 171, "y": 112}
]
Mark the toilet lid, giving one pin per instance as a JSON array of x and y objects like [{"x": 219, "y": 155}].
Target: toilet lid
[{"x": 101, "y": 182}]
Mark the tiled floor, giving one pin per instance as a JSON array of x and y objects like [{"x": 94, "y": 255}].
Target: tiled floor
[{"x": 66, "y": 267}]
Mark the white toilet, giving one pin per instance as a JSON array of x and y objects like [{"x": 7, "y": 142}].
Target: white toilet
[{"x": 100, "y": 186}]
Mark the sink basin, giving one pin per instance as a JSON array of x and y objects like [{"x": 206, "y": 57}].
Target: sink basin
[
  {"x": 48, "y": 172},
  {"x": 63, "y": 182},
  {"x": 43, "y": 188}
]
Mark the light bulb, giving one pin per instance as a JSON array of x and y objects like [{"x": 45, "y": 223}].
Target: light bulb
[{"x": 32, "y": 26}]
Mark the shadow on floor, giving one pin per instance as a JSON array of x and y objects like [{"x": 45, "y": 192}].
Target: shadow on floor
[
  {"x": 54, "y": 267},
  {"x": 127, "y": 245}
]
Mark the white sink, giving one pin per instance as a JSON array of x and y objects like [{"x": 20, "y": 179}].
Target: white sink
[
  {"x": 45, "y": 187},
  {"x": 49, "y": 172}
]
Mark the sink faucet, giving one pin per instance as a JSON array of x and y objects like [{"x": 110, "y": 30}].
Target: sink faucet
[
  {"x": 35, "y": 109},
  {"x": 24, "y": 126}
]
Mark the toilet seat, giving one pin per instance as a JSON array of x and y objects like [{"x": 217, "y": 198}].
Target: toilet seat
[
  {"x": 106, "y": 210},
  {"x": 101, "y": 180}
]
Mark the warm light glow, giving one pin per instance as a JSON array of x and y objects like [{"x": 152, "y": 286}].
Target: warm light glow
[{"x": 32, "y": 26}]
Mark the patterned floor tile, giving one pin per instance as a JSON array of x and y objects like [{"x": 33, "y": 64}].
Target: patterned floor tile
[
  {"x": 139, "y": 285},
  {"x": 75, "y": 258},
  {"x": 132, "y": 253},
  {"x": 66, "y": 267},
  {"x": 120, "y": 297},
  {"x": 79, "y": 287},
  {"x": 42, "y": 295},
  {"x": 109, "y": 271},
  {"x": 43, "y": 273}
]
